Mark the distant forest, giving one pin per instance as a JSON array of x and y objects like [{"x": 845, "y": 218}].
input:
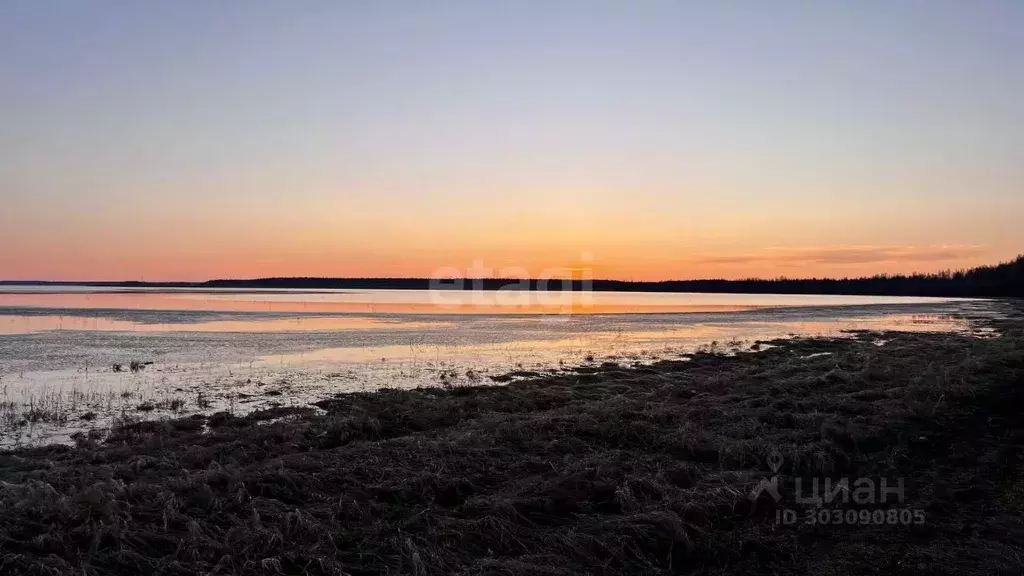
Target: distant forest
[{"x": 1006, "y": 279}]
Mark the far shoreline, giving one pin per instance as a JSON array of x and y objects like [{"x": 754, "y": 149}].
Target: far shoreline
[{"x": 1003, "y": 280}]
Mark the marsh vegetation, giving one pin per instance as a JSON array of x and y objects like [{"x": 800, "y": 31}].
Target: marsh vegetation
[{"x": 603, "y": 469}]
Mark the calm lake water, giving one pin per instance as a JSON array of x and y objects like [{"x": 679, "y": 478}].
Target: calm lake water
[{"x": 241, "y": 350}]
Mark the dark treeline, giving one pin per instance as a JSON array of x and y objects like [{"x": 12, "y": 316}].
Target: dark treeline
[{"x": 1005, "y": 279}]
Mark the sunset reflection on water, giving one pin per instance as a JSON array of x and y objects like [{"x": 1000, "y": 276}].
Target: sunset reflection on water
[{"x": 419, "y": 301}]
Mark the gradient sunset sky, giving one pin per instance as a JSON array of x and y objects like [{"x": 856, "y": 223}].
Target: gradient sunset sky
[{"x": 187, "y": 140}]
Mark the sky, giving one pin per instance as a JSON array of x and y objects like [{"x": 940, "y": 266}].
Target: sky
[{"x": 188, "y": 140}]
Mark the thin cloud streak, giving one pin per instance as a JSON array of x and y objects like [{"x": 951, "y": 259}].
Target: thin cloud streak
[{"x": 845, "y": 255}]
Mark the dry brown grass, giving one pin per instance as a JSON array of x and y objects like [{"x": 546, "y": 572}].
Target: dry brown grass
[{"x": 606, "y": 470}]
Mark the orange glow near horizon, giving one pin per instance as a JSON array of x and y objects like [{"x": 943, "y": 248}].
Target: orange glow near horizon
[
  {"x": 620, "y": 264},
  {"x": 512, "y": 235}
]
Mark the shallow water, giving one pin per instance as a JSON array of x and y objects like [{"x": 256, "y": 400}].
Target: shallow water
[
  {"x": 242, "y": 350},
  {"x": 459, "y": 302}
]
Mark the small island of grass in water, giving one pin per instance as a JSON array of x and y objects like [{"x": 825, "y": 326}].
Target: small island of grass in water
[{"x": 895, "y": 452}]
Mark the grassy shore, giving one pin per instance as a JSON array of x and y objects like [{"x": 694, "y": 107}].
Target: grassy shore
[{"x": 641, "y": 470}]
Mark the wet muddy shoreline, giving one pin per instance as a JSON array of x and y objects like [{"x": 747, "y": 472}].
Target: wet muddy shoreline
[{"x": 607, "y": 467}]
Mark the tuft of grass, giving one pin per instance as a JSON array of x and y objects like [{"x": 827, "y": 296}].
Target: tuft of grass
[
  {"x": 201, "y": 401},
  {"x": 37, "y": 414}
]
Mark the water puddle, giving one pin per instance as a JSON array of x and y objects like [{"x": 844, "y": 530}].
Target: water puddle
[{"x": 57, "y": 373}]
